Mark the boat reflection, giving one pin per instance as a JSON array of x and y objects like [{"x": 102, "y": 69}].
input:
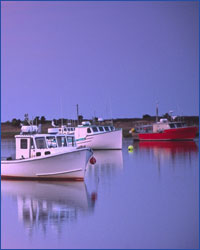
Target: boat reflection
[
  {"x": 41, "y": 204},
  {"x": 108, "y": 164},
  {"x": 170, "y": 150},
  {"x": 170, "y": 146}
]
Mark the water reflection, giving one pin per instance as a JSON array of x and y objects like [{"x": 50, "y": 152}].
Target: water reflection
[
  {"x": 172, "y": 151},
  {"x": 41, "y": 204},
  {"x": 108, "y": 163},
  {"x": 160, "y": 204},
  {"x": 169, "y": 147}
]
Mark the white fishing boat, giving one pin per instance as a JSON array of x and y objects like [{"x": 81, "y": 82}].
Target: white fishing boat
[
  {"x": 98, "y": 137},
  {"x": 46, "y": 156}
]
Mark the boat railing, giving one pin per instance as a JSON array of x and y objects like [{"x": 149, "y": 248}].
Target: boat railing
[{"x": 144, "y": 129}]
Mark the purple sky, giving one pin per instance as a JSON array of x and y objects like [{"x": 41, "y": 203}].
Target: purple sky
[{"x": 112, "y": 58}]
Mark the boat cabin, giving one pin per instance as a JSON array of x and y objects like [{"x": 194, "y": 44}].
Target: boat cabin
[
  {"x": 164, "y": 124},
  {"x": 61, "y": 130},
  {"x": 159, "y": 127},
  {"x": 34, "y": 145},
  {"x": 87, "y": 129}
]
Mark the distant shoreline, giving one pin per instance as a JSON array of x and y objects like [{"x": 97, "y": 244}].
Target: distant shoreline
[{"x": 8, "y": 130}]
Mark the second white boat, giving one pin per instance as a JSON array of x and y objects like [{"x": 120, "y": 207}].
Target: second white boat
[{"x": 98, "y": 137}]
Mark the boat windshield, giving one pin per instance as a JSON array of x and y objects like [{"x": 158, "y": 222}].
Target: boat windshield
[
  {"x": 61, "y": 141},
  {"x": 70, "y": 141},
  {"x": 51, "y": 142},
  {"x": 40, "y": 142},
  {"x": 176, "y": 125}
]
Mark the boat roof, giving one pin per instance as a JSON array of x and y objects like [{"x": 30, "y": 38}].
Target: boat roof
[
  {"x": 40, "y": 135},
  {"x": 177, "y": 122},
  {"x": 89, "y": 126}
]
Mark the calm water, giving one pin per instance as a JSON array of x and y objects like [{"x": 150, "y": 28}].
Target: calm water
[{"x": 148, "y": 198}]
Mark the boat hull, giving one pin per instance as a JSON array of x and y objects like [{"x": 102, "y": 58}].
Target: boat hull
[
  {"x": 187, "y": 133},
  {"x": 68, "y": 165},
  {"x": 107, "y": 140}
]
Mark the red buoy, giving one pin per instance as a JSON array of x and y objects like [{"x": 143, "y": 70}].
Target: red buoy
[
  {"x": 92, "y": 160},
  {"x": 94, "y": 196}
]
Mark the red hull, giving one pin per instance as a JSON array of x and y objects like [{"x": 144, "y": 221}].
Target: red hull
[{"x": 188, "y": 133}]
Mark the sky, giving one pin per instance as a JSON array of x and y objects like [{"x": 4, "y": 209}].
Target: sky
[{"x": 114, "y": 59}]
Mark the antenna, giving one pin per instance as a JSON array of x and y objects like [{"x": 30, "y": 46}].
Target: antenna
[
  {"x": 53, "y": 124},
  {"x": 157, "y": 111}
]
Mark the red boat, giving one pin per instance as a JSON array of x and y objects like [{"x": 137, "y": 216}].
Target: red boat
[{"x": 165, "y": 130}]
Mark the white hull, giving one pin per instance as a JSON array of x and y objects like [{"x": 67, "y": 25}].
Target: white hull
[
  {"x": 65, "y": 165},
  {"x": 106, "y": 140}
]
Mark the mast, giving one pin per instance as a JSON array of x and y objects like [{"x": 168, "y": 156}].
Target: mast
[
  {"x": 111, "y": 112},
  {"x": 157, "y": 112},
  {"x": 77, "y": 111}
]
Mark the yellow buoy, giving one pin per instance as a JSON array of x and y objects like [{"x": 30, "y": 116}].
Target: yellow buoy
[{"x": 130, "y": 148}]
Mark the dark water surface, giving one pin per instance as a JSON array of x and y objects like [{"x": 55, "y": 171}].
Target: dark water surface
[{"x": 148, "y": 198}]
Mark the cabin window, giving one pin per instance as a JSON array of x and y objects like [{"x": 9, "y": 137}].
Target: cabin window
[
  {"x": 179, "y": 125},
  {"x": 89, "y": 130},
  {"x": 95, "y": 129},
  {"x": 172, "y": 125},
  {"x": 32, "y": 144},
  {"x": 24, "y": 144},
  {"x": 106, "y": 128},
  {"x": 40, "y": 142},
  {"x": 61, "y": 141},
  {"x": 70, "y": 141},
  {"x": 101, "y": 129},
  {"x": 111, "y": 128},
  {"x": 51, "y": 142}
]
